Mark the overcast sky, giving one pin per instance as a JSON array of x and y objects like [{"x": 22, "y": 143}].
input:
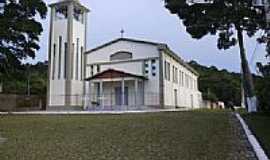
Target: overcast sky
[{"x": 150, "y": 20}]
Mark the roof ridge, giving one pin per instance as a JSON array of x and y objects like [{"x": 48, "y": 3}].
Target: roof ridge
[{"x": 123, "y": 39}]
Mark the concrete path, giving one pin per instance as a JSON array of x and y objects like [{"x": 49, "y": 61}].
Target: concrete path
[
  {"x": 92, "y": 112},
  {"x": 252, "y": 140},
  {"x": 242, "y": 149}
]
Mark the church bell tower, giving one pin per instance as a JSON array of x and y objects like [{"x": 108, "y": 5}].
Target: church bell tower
[{"x": 67, "y": 43}]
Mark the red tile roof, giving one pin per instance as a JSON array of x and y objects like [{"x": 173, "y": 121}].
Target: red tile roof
[{"x": 112, "y": 73}]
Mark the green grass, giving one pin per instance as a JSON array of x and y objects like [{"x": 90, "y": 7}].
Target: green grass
[
  {"x": 158, "y": 136},
  {"x": 259, "y": 123}
]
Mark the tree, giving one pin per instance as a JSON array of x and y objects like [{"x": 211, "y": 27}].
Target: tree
[
  {"x": 229, "y": 19},
  {"x": 226, "y": 86},
  {"x": 264, "y": 69},
  {"x": 19, "y": 31},
  {"x": 16, "y": 83}
]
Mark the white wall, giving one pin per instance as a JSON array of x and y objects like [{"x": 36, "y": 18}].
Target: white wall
[
  {"x": 57, "y": 86},
  {"x": 139, "y": 50},
  {"x": 129, "y": 67},
  {"x": 185, "y": 93},
  {"x": 57, "y": 90},
  {"x": 142, "y": 53},
  {"x": 78, "y": 32}
]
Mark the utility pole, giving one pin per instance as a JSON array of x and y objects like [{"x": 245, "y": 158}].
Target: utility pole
[{"x": 247, "y": 79}]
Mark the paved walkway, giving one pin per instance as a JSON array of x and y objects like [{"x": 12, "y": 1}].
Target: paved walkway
[
  {"x": 242, "y": 148},
  {"x": 92, "y": 112}
]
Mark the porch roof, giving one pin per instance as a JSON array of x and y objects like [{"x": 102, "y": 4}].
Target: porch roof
[{"x": 112, "y": 73}]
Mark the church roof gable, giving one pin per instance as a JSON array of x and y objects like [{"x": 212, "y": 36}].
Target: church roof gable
[
  {"x": 112, "y": 73},
  {"x": 123, "y": 39}
]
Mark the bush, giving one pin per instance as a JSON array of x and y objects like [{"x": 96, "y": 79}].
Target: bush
[{"x": 263, "y": 93}]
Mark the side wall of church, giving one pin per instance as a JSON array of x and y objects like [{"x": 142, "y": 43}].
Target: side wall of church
[{"x": 180, "y": 85}]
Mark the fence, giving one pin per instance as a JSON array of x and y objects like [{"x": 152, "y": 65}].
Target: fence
[
  {"x": 121, "y": 101},
  {"x": 117, "y": 100},
  {"x": 13, "y": 102}
]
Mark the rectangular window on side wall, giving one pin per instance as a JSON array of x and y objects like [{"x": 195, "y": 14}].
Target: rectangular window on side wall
[
  {"x": 146, "y": 68},
  {"x": 60, "y": 58},
  {"x": 165, "y": 70},
  {"x": 176, "y": 75},
  {"x": 153, "y": 67},
  {"x": 183, "y": 79},
  {"x": 191, "y": 83},
  {"x": 180, "y": 77},
  {"x": 186, "y": 80},
  {"x": 173, "y": 78},
  {"x": 169, "y": 71}
]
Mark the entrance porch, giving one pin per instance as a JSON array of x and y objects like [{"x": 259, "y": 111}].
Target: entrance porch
[{"x": 115, "y": 90}]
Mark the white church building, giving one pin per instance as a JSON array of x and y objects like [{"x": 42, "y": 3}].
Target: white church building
[{"x": 123, "y": 74}]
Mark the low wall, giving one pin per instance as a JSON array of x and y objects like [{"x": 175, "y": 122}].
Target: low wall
[
  {"x": 213, "y": 105},
  {"x": 13, "y": 102}
]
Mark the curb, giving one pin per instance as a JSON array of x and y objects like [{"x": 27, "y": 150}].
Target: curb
[
  {"x": 91, "y": 112},
  {"x": 252, "y": 140}
]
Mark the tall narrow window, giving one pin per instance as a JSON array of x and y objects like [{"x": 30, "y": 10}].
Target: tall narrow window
[
  {"x": 60, "y": 57},
  {"x": 98, "y": 68},
  {"x": 77, "y": 59},
  {"x": 146, "y": 67},
  {"x": 65, "y": 65},
  {"x": 180, "y": 78},
  {"x": 82, "y": 67},
  {"x": 165, "y": 70},
  {"x": 176, "y": 75},
  {"x": 53, "y": 65},
  {"x": 73, "y": 70},
  {"x": 92, "y": 70},
  {"x": 173, "y": 75},
  {"x": 183, "y": 79},
  {"x": 169, "y": 71}
]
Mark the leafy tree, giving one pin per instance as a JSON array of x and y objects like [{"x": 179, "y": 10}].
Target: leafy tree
[
  {"x": 229, "y": 20},
  {"x": 209, "y": 96},
  {"x": 16, "y": 82},
  {"x": 218, "y": 84},
  {"x": 263, "y": 87},
  {"x": 264, "y": 69},
  {"x": 19, "y": 31}
]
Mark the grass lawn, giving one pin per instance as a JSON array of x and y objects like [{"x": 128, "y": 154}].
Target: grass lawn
[
  {"x": 259, "y": 123},
  {"x": 158, "y": 136}
]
